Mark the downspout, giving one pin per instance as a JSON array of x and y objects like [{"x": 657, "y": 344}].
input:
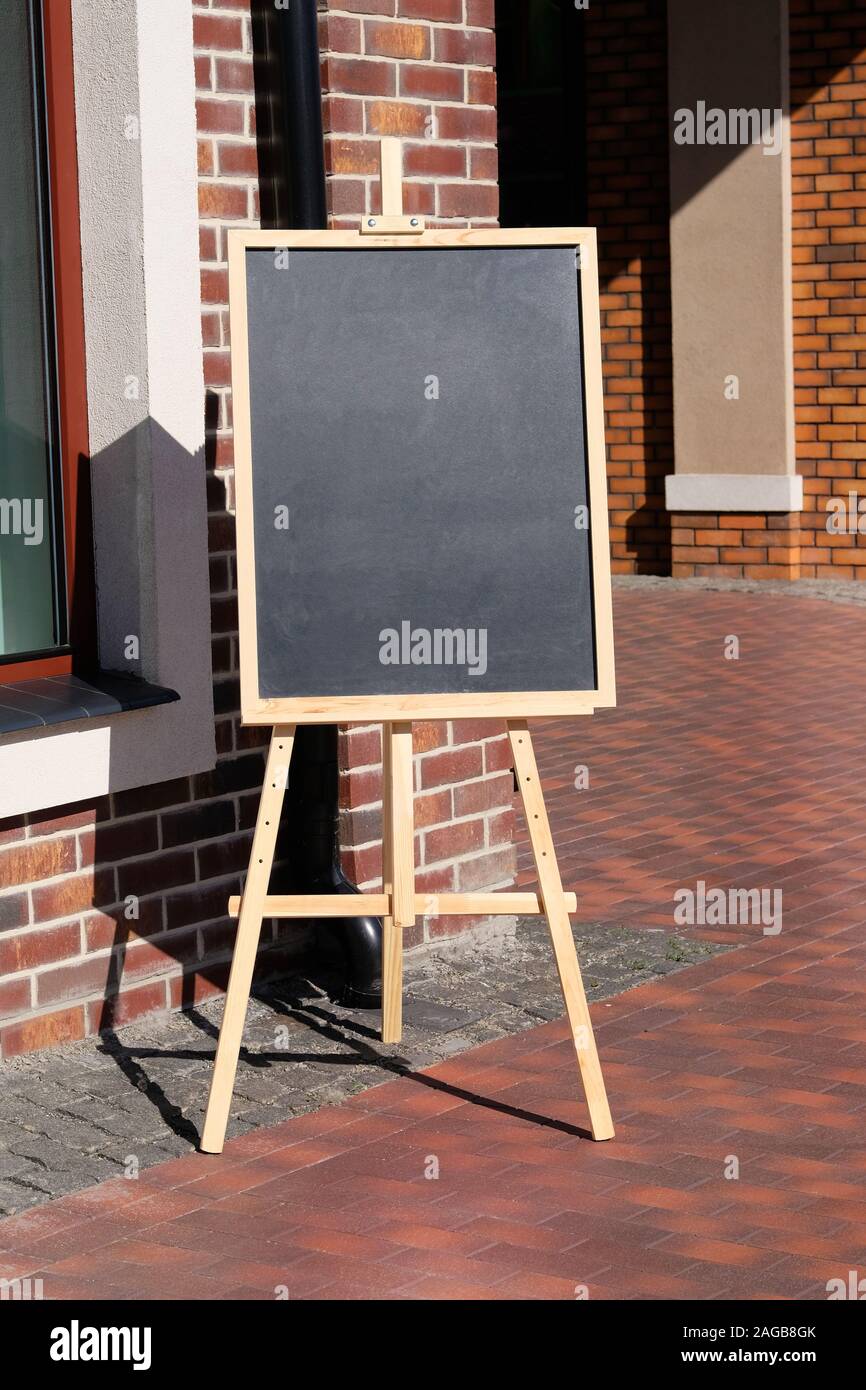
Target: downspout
[{"x": 292, "y": 176}]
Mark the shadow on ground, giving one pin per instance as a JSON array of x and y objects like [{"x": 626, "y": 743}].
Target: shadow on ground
[{"x": 135, "y": 1097}]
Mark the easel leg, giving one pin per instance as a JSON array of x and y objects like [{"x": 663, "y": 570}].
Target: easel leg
[
  {"x": 398, "y": 868},
  {"x": 247, "y": 939},
  {"x": 553, "y": 902},
  {"x": 392, "y": 955}
]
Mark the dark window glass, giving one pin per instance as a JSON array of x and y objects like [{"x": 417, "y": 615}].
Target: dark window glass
[
  {"x": 31, "y": 599},
  {"x": 540, "y": 98}
]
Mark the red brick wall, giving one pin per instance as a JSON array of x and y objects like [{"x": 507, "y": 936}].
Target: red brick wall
[
  {"x": 828, "y": 161},
  {"x": 422, "y": 70},
  {"x": 628, "y": 200},
  {"x": 828, "y": 97},
  {"x": 725, "y": 545},
  {"x": 71, "y": 962},
  {"x": 418, "y": 70},
  {"x": 628, "y": 129}
]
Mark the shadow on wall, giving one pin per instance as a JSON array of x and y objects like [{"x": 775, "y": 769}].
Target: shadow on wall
[
  {"x": 630, "y": 199},
  {"x": 174, "y": 851},
  {"x": 136, "y": 882},
  {"x": 605, "y": 155},
  {"x": 582, "y": 140}
]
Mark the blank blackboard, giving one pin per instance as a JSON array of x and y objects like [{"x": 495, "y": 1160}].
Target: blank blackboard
[{"x": 422, "y": 519}]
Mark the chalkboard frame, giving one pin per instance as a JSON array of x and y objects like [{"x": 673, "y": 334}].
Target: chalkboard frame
[{"x": 343, "y": 709}]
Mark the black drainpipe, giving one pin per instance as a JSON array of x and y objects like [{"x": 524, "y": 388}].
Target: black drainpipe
[{"x": 292, "y": 190}]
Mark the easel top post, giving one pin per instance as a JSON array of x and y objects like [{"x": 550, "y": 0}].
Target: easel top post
[
  {"x": 392, "y": 220},
  {"x": 391, "y": 175}
]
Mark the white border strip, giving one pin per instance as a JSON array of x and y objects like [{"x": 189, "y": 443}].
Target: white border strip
[{"x": 734, "y": 492}]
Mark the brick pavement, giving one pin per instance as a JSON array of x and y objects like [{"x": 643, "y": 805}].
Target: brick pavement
[
  {"x": 738, "y": 1085},
  {"x": 77, "y": 1115},
  {"x": 756, "y": 1057},
  {"x": 743, "y": 773}
]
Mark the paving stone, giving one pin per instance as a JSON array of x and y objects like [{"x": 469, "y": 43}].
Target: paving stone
[
  {"x": 435, "y": 1017},
  {"x": 11, "y": 1165},
  {"x": 848, "y": 591},
  {"x": 142, "y": 1090}
]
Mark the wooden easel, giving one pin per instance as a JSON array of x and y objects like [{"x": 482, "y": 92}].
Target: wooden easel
[{"x": 398, "y": 904}]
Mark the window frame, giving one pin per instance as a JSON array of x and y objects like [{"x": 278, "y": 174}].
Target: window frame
[{"x": 53, "y": 104}]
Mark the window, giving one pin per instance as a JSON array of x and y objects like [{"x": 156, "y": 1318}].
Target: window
[
  {"x": 42, "y": 399},
  {"x": 542, "y": 123}
]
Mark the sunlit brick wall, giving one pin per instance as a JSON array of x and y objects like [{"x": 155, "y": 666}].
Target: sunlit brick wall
[
  {"x": 828, "y": 166},
  {"x": 828, "y": 130}
]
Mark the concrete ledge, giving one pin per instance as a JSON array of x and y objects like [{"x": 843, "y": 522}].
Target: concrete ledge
[{"x": 734, "y": 492}]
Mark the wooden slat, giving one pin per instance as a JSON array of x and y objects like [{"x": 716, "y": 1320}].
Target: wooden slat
[
  {"x": 426, "y": 905},
  {"x": 391, "y": 175},
  {"x": 392, "y": 936},
  {"x": 553, "y": 898},
  {"x": 403, "y": 824},
  {"x": 327, "y": 905},
  {"x": 392, "y": 226},
  {"x": 484, "y": 904},
  {"x": 583, "y": 237},
  {"x": 369, "y": 709},
  {"x": 247, "y": 940}
]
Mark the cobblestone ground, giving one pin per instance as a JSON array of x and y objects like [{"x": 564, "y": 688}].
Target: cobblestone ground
[
  {"x": 80, "y": 1114},
  {"x": 833, "y": 590}
]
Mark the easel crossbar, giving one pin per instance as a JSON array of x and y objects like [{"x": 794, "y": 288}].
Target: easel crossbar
[{"x": 381, "y": 905}]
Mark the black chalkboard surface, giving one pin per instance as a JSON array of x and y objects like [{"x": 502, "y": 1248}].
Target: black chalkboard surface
[{"x": 422, "y": 521}]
